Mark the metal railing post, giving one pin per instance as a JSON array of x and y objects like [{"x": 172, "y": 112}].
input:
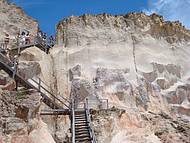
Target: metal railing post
[
  {"x": 107, "y": 103},
  {"x": 73, "y": 121},
  {"x": 87, "y": 103},
  {"x": 39, "y": 85}
]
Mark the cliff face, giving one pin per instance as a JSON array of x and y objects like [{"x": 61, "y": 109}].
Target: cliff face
[
  {"x": 138, "y": 62},
  {"x": 88, "y": 29},
  {"x": 13, "y": 20}
]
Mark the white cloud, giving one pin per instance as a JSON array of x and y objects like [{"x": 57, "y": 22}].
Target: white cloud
[{"x": 171, "y": 10}]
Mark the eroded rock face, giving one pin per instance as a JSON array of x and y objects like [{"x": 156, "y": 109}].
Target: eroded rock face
[
  {"x": 29, "y": 69},
  {"x": 82, "y": 89},
  {"x": 112, "y": 29},
  {"x": 116, "y": 125}
]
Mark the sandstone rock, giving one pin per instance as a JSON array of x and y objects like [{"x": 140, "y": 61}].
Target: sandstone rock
[
  {"x": 19, "y": 118},
  {"x": 75, "y": 72},
  {"x": 154, "y": 24},
  {"x": 29, "y": 69},
  {"x": 163, "y": 83},
  {"x": 80, "y": 90}
]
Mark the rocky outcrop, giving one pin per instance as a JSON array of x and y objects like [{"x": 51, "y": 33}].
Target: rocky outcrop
[
  {"x": 20, "y": 120},
  {"x": 107, "y": 28},
  {"x": 117, "y": 125},
  {"x": 13, "y": 20}
]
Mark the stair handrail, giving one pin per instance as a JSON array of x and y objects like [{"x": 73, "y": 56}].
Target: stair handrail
[
  {"x": 55, "y": 97},
  {"x": 39, "y": 79},
  {"x": 92, "y": 134},
  {"x": 8, "y": 68},
  {"x": 73, "y": 118}
]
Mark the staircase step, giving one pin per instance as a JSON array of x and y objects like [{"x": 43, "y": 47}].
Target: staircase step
[
  {"x": 82, "y": 116},
  {"x": 84, "y": 140},
  {"x": 81, "y": 126},
  {"x": 82, "y": 133},
  {"x": 82, "y": 136},
  {"x": 79, "y": 112},
  {"x": 79, "y": 115},
  {"x": 81, "y": 130},
  {"x": 81, "y": 121},
  {"x": 77, "y": 128}
]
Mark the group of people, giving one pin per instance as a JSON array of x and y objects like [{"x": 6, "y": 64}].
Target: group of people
[
  {"x": 23, "y": 38},
  {"x": 45, "y": 40}
]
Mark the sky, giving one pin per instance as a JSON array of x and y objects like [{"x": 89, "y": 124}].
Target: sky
[{"x": 49, "y": 12}]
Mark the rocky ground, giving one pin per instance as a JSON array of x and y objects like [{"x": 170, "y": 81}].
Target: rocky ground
[
  {"x": 20, "y": 121},
  {"x": 141, "y": 127}
]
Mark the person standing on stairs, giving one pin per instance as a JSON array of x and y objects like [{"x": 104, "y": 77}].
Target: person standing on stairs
[
  {"x": 18, "y": 38},
  {"x": 44, "y": 39},
  {"x": 15, "y": 68},
  {"x": 28, "y": 41},
  {"x": 51, "y": 41},
  {"x": 47, "y": 47},
  {"x": 6, "y": 41},
  {"x": 23, "y": 38}
]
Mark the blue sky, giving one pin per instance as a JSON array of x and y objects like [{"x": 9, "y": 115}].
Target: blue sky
[{"x": 49, "y": 12}]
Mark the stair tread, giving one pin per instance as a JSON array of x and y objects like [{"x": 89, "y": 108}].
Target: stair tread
[
  {"x": 83, "y": 139},
  {"x": 81, "y": 128},
  {"x": 81, "y": 125},
  {"x": 81, "y": 122},
  {"x": 78, "y": 123},
  {"x": 81, "y": 131},
  {"x": 83, "y": 136},
  {"x": 80, "y": 134},
  {"x": 80, "y": 115},
  {"x": 80, "y": 119}
]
